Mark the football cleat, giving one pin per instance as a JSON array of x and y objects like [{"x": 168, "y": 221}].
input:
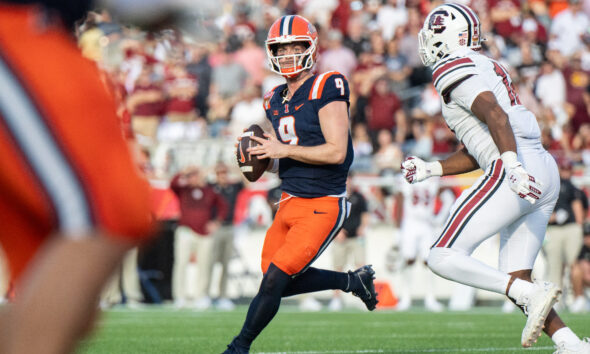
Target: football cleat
[
  {"x": 536, "y": 306},
  {"x": 363, "y": 286},
  {"x": 581, "y": 348}
]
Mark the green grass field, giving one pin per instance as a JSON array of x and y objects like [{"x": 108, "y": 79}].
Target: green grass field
[{"x": 164, "y": 330}]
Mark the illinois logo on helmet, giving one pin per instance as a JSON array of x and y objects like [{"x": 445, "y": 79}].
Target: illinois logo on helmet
[
  {"x": 289, "y": 29},
  {"x": 446, "y": 29}
]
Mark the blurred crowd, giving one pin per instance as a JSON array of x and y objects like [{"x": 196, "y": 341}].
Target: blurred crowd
[{"x": 207, "y": 80}]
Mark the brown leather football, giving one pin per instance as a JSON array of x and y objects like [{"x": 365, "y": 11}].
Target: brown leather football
[{"x": 251, "y": 166}]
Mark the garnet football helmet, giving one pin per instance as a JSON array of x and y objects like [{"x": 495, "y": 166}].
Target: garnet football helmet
[
  {"x": 289, "y": 29},
  {"x": 446, "y": 29}
]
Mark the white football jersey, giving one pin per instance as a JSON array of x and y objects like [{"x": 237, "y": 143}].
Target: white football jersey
[
  {"x": 419, "y": 200},
  {"x": 459, "y": 79}
]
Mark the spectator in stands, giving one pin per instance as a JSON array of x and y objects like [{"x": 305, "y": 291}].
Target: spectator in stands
[
  {"x": 181, "y": 122},
  {"x": 397, "y": 66},
  {"x": 550, "y": 90},
  {"x": 567, "y": 29},
  {"x": 251, "y": 57},
  {"x": 223, "y": 245},
  {"x": 388, "y": 156},
  {"x": 247, "y": 111},
  {"x": 198, "y": 66},
  {"x": 385, "y": 111},
  {"x": 363, "y": 149},
  {"x": 337, "y": 57},
  {"x": 581, "y": 275},
  {"x": 227, "y": 81},
  {"x": 576, "y": 81},
  {"x": 146, "y": 104},
  {"x": 349, "y": 244},
  {"x": 392, "y": 15},
  {"x": 505, "y": 17},
  {"x": 581, "y": 145},
  {"x": 318, "y": 11},
  {"x": 564, "y": 232},
  {"x": 194, "y": 233},
  {"x": 421, "y": 141},
  {"x": 355, "y": 37}
]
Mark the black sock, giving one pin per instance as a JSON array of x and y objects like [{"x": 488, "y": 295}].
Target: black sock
[
  {"x": 317, "y": 280},
  {"x": 264, "y": 306}
]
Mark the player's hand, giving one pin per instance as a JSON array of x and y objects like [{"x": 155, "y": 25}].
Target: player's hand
[
  {"x": 521, "y": 183},
  {"x": 270, "y": 147},
  {"x": 416, "y": 170}
]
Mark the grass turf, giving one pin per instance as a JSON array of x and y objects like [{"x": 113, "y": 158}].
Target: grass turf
[{"x": 164, "y": 330}]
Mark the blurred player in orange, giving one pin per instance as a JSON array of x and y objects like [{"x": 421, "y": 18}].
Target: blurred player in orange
[
  {"x": 71, "y": 200},
  {"x": 312, "y": 147}
]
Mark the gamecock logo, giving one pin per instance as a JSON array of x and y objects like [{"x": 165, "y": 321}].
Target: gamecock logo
[{"x": 437, "y": 21}]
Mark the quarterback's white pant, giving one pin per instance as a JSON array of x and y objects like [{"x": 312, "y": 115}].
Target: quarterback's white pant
[{"x": 491, "y": 207}]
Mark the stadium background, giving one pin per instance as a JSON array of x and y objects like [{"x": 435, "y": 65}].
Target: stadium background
[{"x": 185, "y": 93}]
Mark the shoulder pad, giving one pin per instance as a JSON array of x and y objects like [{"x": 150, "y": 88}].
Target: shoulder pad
[
  {"x": 267, "y": 97},
  {"x": 317, "y": 88},
  {"x": 449, "y": 71}
]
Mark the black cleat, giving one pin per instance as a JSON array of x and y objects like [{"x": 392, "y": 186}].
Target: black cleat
[
  {"x": 362, "y": 285},
  {"x": 233, "y": 348}
]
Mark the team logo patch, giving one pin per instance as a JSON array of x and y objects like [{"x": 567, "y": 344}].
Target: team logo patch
[{"x": 437, "y": 21}]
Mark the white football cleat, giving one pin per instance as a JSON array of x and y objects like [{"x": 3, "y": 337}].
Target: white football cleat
[
  {"x": 310, "y": 304},
  {"x": 335, "y": 304},
  {"x": 404, "y": 304},
  {"x": 580, "y": 304},
  {"x": 225, "y": 304},
  {"x": 536, "y": 306},
  {"x": 432, "y": 305},
  {"x": 582, "y": 348}
]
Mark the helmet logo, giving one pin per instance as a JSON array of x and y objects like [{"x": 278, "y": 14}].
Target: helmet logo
[
  {"x": 310, "y": 28},
  {"x": 437, "y": 21}
]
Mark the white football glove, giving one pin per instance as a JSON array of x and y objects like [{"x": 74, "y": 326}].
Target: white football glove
[
  {"x": 415, "y": 169},
  {"x": 521, "y": 183}
]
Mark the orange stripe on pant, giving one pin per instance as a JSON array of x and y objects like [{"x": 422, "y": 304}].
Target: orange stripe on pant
[{"x": 301, "y": 231}]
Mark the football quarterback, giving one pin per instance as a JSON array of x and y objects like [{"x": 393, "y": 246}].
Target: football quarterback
[{"x": 312, "y": 144}]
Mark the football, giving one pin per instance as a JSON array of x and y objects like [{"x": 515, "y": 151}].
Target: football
[{"x": 251, "y": 166}]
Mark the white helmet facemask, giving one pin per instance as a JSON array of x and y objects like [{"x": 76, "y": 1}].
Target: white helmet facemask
[{"x": 447, "y": 28}]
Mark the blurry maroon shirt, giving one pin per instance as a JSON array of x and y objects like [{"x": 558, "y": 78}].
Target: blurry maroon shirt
[
  {"x": 197, "y": 206},
  {"x": 383, "y": 108},
  {"x": 576, "y": 81},
  {"x": 507, "y": 27},
  {"x": 155, "y": 108}
]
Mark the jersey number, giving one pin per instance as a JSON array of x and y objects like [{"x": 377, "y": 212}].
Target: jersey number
[
  {"x": 287, "y": 130},
  {"x": 499, "y": 70},
  {"x": 340, "y": 84}
]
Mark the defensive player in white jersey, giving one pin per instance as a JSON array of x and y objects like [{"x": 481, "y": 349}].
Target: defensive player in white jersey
[
  {"x": 519, "y": 188},
  {"x": 416, "y": 233}
]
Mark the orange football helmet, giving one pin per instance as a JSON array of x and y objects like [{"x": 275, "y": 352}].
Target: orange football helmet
[{"x": 289, "y": 29}]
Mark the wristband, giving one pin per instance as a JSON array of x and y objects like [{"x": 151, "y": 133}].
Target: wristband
[
  {"x": 434, "y": 168},
  {"x": 509, "y": 159}
]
